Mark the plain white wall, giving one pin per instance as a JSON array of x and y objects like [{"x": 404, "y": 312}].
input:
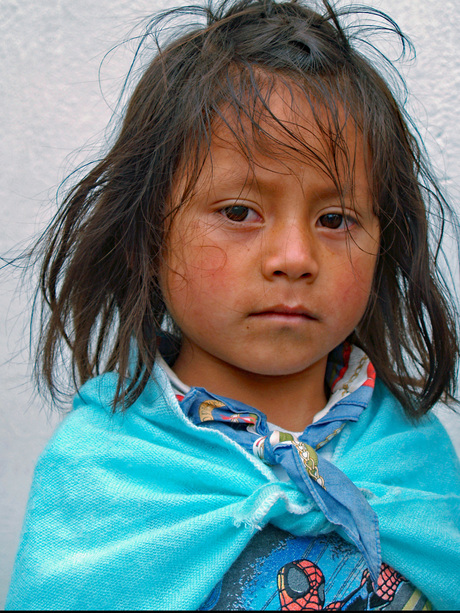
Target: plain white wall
[{"x": 51, "y": 108}]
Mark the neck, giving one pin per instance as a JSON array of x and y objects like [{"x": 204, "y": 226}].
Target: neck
[{"x": 289, "y": 401}]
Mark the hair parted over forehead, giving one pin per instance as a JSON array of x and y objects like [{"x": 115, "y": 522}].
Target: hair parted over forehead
[{"x": 102, "y": 252}]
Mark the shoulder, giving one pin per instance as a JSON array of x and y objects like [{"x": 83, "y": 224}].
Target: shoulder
[
  {"x": 95, "y": 440},
  {"x": 92, "y": 425},
  {"x": 410, "y": 474},
  {"x": 450, "y": 420},
  {"x": 395, "y": 449},
  {"x": 93, "y": 409},
  {"x": 385, "y": 419}
]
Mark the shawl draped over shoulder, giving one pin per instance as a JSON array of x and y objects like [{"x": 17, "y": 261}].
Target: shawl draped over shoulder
[{"x": 144, "y": 510}]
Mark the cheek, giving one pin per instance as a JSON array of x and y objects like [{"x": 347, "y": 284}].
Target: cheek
[
  {"x": 353, "y": 286},
  {"x": 199, "y": 274}
]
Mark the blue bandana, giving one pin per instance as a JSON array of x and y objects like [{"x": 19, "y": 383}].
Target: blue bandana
[{"x": 339, "y": 499}]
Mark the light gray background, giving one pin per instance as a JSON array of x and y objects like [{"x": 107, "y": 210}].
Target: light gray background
[{"x": 53, "y": 116}]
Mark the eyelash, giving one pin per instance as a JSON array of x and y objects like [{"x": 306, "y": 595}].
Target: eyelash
[
  {"x": 348, "y": 222},
  {"x": 242, "y": 215},
  {"x": 242, "y": 212}
]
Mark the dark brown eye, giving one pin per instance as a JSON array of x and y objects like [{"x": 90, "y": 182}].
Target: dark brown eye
[
  {"x": 333, "y": 221},
  {"x": 237, "y": 212}
]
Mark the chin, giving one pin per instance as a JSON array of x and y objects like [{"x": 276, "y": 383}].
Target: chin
[{"x": 275, "y": 369}]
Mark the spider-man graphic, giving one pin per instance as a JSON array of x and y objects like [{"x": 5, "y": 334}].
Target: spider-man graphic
[
  {"x": 301, "y": 587},
  {"x": 279, "y": 571}
]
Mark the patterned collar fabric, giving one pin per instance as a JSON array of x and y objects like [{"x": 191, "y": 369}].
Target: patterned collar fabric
[{"x": 343, "y": 504}]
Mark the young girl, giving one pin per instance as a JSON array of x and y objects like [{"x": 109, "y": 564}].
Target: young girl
[{"x": 258, "y": 328}]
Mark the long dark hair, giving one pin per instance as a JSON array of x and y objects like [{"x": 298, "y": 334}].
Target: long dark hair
[{"x": 101, "y": 253}]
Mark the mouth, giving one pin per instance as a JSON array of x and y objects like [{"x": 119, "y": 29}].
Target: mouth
[{"x": 285, "y": 312}]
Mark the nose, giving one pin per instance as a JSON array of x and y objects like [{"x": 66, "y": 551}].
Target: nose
[{"x": 290, "y": 252}]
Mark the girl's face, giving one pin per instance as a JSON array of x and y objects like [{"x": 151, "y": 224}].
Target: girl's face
[{"x": 264, "y": 271}]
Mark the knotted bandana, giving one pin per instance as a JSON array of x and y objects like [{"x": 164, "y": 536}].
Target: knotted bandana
[{"x": 339, "y": 499}]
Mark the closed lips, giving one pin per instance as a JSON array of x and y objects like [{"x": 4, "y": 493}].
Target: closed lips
[{"x": 285, "y": 311}]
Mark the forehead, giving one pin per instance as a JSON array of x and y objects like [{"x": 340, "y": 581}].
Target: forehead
[
  {"x": 284, "y": 119},
  {"x": 285, "y": 133}
]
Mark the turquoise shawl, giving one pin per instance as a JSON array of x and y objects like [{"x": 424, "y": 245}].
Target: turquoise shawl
[{"x": 145, "y": 510}]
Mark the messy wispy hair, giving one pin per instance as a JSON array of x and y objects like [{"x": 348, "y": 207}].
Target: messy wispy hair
[{"x": 101, "y": 254}]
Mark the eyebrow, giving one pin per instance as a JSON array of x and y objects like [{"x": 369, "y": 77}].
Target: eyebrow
[{"x": 266, "y": 180}]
